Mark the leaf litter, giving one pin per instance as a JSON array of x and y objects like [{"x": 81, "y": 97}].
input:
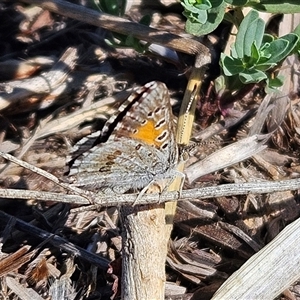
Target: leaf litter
[{"x": 58, "y": 94}]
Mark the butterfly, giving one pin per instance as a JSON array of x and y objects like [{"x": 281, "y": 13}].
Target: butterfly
[{"x": 141, "y": 150}]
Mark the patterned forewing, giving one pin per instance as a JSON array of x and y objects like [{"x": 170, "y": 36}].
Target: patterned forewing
[{"x": 150, "y": 120}]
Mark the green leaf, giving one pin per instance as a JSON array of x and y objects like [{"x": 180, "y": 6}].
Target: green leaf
[
  {"x": 199, "y": 17},
  {"x": 276, "y": 6},
  {"x": 215, "y": 16},
  {"x": 255, "y": 54},
  {"x": 265, "y": 66},
  {"x": 297, "y": 31},
  {"x": 233, "y": 52},
  {"x": 293, "y": 39},
  {"x": 230, "y": 65},
  {"x": 268, "y": 38},
  {"x": 219, "y": 84},
  {"x": 194, "y": 6},
  {"x": 252, "y": 76},
  {"x": 274, "y": 51},
  {"x": 273, "y": 84},
  {"x": 189, "y": 9},
  {"x": 277, "y": 81},
  {"x": 251, "y": 29},
  {"x": 279, "y": 49},
  {"x": 196, "y": 11},
  {"x": 203, "y": 4},
  {"x": 233, "y": 83}
]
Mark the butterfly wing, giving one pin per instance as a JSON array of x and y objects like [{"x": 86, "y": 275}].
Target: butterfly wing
[
  {"x": 150, "y": 120},
  {"x": 141, "y": 147},
  {"x": 106, "y": 166}
]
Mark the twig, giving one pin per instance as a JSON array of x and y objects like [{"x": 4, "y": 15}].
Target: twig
[{"x": 128, "y": 199}]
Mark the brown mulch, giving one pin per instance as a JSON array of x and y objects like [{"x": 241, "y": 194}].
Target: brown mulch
[{"x": 207, "y": 241}]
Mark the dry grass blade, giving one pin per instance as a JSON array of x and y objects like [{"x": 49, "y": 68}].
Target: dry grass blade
[
  {"x": 227, "y": 156},
  {"x": 281, "y": 255},
  {"x": 72, "y": 120}
]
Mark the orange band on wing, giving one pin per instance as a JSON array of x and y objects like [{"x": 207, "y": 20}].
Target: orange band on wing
[{"x": 148, "y": 134}]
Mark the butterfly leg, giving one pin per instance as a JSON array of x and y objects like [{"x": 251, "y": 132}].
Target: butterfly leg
[
  {"x": 144, "y": 190},
  {"x": 169, "y": 181}
]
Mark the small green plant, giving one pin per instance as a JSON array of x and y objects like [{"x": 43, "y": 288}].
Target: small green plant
[
  {"x": 204, "y": 16},
  {"x": 254, "y": 55}
]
